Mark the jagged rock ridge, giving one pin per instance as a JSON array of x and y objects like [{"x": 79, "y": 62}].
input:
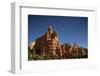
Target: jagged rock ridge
[{"x": 48, "y": 47}]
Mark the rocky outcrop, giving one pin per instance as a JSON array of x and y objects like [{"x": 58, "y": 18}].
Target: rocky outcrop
[{"x": 48, "y": 47}]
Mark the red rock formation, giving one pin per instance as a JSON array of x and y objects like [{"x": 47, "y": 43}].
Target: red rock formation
[{"x": 49, "y": 46}]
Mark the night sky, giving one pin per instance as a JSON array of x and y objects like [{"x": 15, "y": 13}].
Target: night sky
[{"x": 70, "y": 29}]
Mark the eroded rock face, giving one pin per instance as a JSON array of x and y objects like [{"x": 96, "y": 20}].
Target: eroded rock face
[
  {"x": 48, "y": 44},
  {"x": 49, "y": 47}
]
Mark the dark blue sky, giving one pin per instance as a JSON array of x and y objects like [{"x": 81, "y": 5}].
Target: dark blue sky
[{"x": 70, "y": 29}]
